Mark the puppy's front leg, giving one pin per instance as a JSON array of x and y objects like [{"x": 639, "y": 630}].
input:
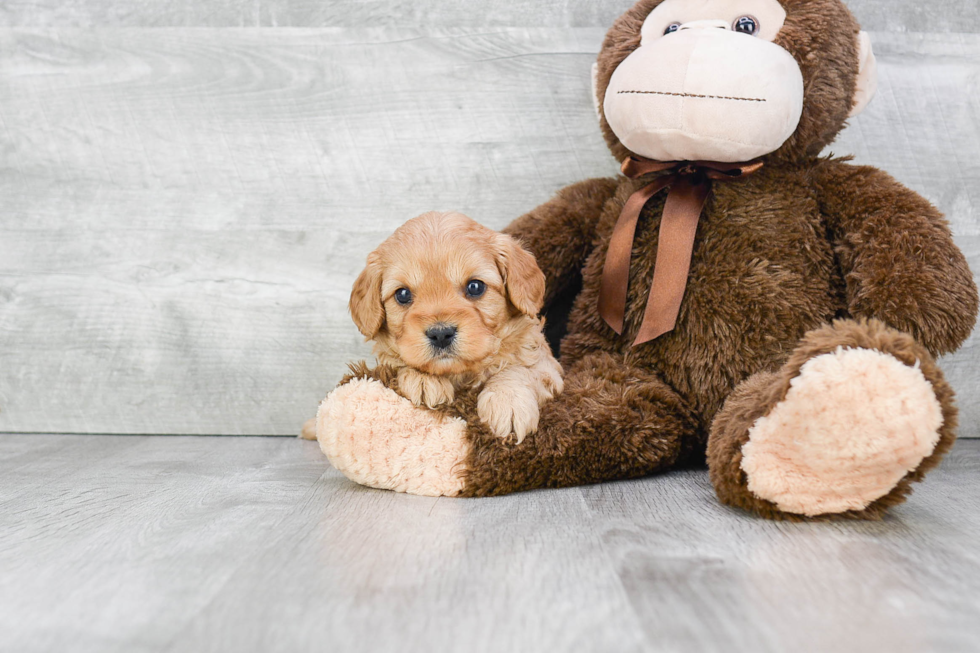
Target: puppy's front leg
[
  {"x": 421, "y": 388},
  {"x": 508, "y": 403}
]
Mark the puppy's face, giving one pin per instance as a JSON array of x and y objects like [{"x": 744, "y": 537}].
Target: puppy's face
[{"x": 439, "y": 290}]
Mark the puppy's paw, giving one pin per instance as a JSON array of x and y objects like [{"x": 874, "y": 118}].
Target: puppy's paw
[
  {"x": 552, "y": 383},
  {"x": 508, "y": 410},
  {"x": 424, "y": 389}
]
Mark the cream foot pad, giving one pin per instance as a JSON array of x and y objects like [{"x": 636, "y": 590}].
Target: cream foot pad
[
  {"x": 852, "y": 425},
  {"x": 378, "y": 438}
]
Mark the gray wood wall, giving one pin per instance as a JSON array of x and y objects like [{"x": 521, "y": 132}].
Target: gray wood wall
[
  {"x": 875, "y": 15},
  {"x": 189, "y": 188}
]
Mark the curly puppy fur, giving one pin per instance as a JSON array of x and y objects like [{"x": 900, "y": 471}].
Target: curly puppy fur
[{"x": 497, "y": 345}]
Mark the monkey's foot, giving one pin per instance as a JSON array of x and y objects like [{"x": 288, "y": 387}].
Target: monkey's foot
[
  {"x": 858, "y": 413},
  {"x": 852, "y": 425},
  {"x": 376, "y": 437}
]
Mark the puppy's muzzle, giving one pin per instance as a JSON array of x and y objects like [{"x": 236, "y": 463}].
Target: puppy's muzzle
[{"x": 441, "y": 336}]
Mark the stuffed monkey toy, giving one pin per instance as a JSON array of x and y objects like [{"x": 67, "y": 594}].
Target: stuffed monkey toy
[{"x": 736, "y": 298}]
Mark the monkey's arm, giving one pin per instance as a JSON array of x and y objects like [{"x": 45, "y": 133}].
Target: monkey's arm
[
  {"x": 560, "y": 232},
  {"x": 897, "y": 256}
]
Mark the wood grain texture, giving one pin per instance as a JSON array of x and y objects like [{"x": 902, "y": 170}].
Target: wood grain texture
[
  {"x": 891, "y": 15},
  {"x": 727, "y": 583},
  {"x": 186, "y": 209},
  {"x": 254, "y": 544},
  {"x": 115, "y": 544}
]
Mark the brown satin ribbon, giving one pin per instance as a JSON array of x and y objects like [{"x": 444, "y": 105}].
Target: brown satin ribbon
[{"x": 689, "y": 184}]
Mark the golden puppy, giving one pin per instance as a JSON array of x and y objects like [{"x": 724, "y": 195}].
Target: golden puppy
[{"x": 450, "y": 304}]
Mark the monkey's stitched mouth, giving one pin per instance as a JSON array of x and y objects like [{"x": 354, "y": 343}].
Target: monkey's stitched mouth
[{"x": 694, "y": 95}]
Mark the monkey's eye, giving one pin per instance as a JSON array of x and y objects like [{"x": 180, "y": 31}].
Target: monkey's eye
[
  {"x": 475, "y": 288},
  {"x": 746, "y": 25},
  {"x": 673, "y": 27},
  {"x": 403, "y": 296}
]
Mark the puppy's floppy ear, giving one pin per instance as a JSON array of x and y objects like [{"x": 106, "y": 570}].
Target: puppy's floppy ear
[
  {"x": 365, "y": 299},
  {"x": 523, "y": 278}
]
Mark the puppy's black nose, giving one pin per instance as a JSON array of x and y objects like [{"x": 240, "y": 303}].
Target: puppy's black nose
[{"x": 441, "y": 336}]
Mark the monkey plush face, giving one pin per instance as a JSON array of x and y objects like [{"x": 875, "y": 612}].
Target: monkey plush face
[
  {"x": 707, "y": 82},
  {"x": 731, "y": 80}
]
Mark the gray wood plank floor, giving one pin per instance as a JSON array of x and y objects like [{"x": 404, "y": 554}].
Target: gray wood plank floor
[
  {"x": 256, "y": 544},
  {"x": 185, "y": 209}
]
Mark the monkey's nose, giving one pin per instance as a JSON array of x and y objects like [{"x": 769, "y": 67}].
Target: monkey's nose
[{"x": 441, "y": 336}]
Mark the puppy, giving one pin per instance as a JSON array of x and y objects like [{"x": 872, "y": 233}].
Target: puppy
[{"x": 449, "y": 304}]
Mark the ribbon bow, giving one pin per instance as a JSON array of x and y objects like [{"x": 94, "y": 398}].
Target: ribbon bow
[{"x": 689, "y": 184}]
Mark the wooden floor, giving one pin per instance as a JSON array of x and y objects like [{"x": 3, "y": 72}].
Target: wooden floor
[{"x": 255, "y": 544}]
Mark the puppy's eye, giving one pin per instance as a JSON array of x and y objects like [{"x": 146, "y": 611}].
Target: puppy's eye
[
  {"x": 475, "y": 289},
  {"x": 746, "y": 25},
  {"x": 403, "y": 296},
  {"x": 673, "y": 27}
]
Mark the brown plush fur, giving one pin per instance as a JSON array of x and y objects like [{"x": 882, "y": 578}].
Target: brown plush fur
[
  {"x": 767, "y": 269},
  {"x": 779, "y": 256}
]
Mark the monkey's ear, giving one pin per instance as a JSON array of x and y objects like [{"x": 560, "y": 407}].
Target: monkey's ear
[
  {"x": 867, "y": 79},
  {"x": 523, "y": 279},
  {"x": 365, "y": 299},
  {"x": 595, "y": 91}
]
